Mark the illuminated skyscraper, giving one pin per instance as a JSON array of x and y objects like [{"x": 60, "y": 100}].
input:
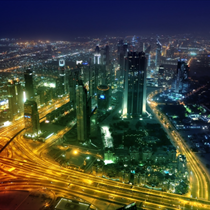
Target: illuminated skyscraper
[
  {"x": 105, "y": 55},
  {"x": 147, "y": 54},
  {"x": 81, "y": 110},
  {"x": 19, "y": 96},
  {"x": 182, "y": 75},
  {"x": 122, "y": 48},
  {"x": 161, "y": 76},
  {"x": 29, "y": 88},
  {"x": 62, "y": 80},
  {"x": 15, "y": 96},
  {"x": 134, "y": 98},
  {"x": 103, "y": 97},
  {"x": 158, "y": 55},
  {"x": 97, "y": 56},
  {"x": 119, "y": 48},
  {"x": 144, "y": 46},
  {"x": 31, "y": 118},
  {"x": 12, "y": 99},
  {"x": 73, "y": 80}
]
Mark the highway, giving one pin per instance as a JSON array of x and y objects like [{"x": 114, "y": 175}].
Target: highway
[
  {"x": 28, "y": 168},
  {"x": 200, "y": 179}
]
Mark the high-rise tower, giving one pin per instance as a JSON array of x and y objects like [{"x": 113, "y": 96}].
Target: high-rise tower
[
  {"x": 31, "y": 118},
  {"x": 147, "y": 54},
  {"x": 73, "y": 80},
  {"x": 182, "y": 75},
  {"x": 105, "y": 55},
  {"x": 62, "y": 80},
  {"x": 158, "y": 54},
  {"x": 19, "y": 96},
  {"x": 97, "y": 56},
  {"x": 29, "y": 88},
  {"x": 122, "y": 51},
  {"x": 81, "y": 110},
  {"x": 12, "y": 99},
  {"x": 134, "y": 99}
]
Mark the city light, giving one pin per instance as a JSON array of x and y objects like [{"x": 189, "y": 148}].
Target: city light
[
  {"x": 97, "y": 116},
  {"x": 75, "y": 152}
]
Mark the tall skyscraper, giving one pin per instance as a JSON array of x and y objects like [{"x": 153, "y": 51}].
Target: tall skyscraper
[
  {"x": 62, "y": 80},
  {"x": 147, "y": 54},
  {"x": 122, "y": 51},
  {"x": 81, "y": 111},
  {"x": 103, "y": 97},
  {"x": 97, "y": 56},
  {"x": 158, "y": 55},
  {"x": 12, "y": 99},
  {"x": 144, "y": 46},
  {"x": 182, "y": 75},
  {"x": 105, "y": 55},
  {"x": 134, "y": 98},
  {"x": 73, "y": 80},
  {"x": 161, "y": 76},
  {"x": 31, "y": 118},
  {"x": 29, "y": 88},
  {"x": 119, "y": 49},
  {"x": 19, "y": 96}
]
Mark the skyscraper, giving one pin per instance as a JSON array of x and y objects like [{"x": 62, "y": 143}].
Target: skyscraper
[
  {"x": 182, "y": 75},
  {"x": 105, "y": 55},
  {"x": 103, "y": 97},
  {"x": 97, "y": 56},
  {"x": 31, "y": 118},
  {"x": 158, "y": 55},
  {"x": 73, "y": 80},
  {"x": 62, "y": 80},
  {"x": 19, "y": 96},
  {"x": 12, "y": 99},
  {"x": 119, "y": 48},
  {"x": 123, "y": 48},
  {"x": 147, "y": 54},
  {"x": 134, "y": 98},
  {"x": 29, "y": 88},
  {"x": 81, "y": 111}
]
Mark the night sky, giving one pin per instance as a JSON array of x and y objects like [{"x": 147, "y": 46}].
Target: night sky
[{"x": 64, "y": 20}]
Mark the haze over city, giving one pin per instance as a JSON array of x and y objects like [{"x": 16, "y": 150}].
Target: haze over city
[{"x": 104, "y": 105}]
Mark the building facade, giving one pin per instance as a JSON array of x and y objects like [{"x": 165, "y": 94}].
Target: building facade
[
  {"x": 134, "y": 98},
  {"x": 31, "y": 118},
  {"x": 81, "y": 111},
  {"x": 29, "y": 88}
]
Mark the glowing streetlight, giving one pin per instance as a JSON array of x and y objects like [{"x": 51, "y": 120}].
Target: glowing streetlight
[{"x": 75, "y": 152}]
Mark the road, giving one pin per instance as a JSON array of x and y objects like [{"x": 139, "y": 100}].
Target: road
[
  {"x": 25, "y": 168},
  {"x": 199, "y": 177}
]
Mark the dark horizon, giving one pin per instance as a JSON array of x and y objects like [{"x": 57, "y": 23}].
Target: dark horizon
[{"x": 67, "y": 20}]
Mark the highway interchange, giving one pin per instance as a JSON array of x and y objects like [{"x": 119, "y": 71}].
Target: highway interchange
[{"x": 25, "y": 168}]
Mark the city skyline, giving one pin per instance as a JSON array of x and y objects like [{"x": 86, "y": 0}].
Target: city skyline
[{"x": 105, "y": 105}]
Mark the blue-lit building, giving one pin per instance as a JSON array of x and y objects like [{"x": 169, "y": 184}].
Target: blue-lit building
[{"x": 103, "y": 97}]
